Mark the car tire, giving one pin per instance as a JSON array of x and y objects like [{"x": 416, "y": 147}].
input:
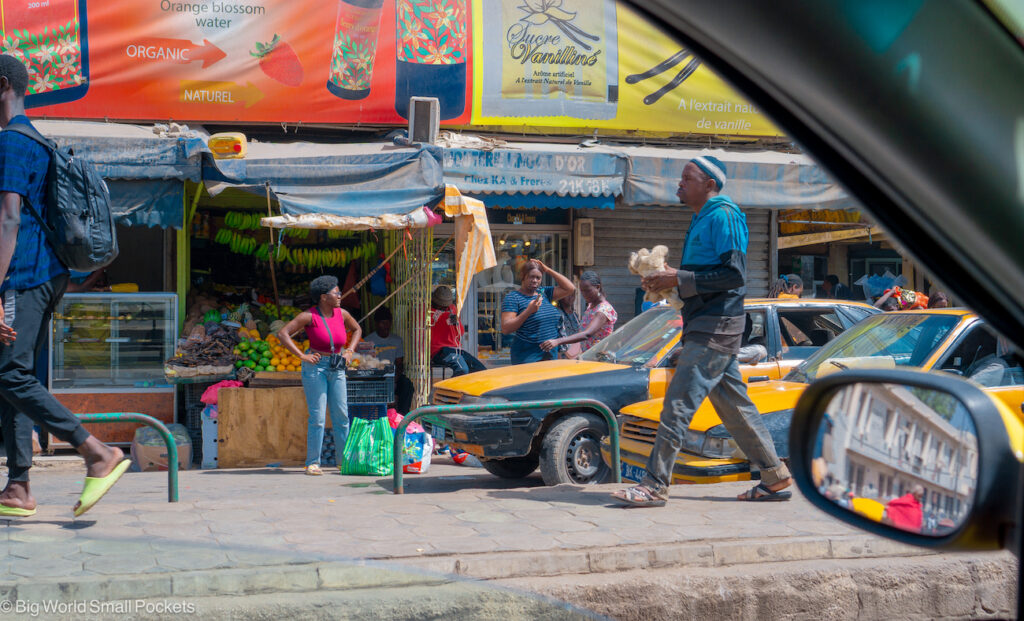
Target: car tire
[
  {"x": 512, "y": 467},
  {"x": 571, "y": 451}
]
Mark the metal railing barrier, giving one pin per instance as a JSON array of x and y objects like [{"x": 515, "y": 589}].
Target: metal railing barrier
[
  {"x": 165, "y": 434},
  {"x": 602, "y": 409}
]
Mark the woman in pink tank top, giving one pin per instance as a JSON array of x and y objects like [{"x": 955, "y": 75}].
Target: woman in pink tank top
[{"x": 333, "y": 335}]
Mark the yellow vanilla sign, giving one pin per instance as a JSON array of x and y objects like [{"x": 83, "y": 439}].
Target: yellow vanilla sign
[{"x": 595, "y": 64}]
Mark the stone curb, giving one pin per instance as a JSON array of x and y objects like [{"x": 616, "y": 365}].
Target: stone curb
[
  {"x": 354, "y": 575},
  {"x": 490, "y": 566}
]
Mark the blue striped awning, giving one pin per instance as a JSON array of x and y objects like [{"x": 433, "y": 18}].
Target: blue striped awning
[
  {"x": 558, "y": 170},
  {"x": 756, "y": 179},
  {"x": 364, "y": 179}
]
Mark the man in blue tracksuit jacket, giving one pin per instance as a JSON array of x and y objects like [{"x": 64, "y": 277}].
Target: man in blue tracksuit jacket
[{"x": 711, "y": 281}]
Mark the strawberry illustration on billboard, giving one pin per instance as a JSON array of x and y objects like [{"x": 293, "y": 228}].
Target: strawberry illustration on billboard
[{"x": 279, "y": 61}]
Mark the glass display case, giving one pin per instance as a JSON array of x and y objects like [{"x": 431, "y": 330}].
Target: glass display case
[{"x": 106, "y": 342}]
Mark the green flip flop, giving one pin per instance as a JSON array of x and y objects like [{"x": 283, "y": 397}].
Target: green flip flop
[
  {"x": 96, "y": 487},
  {"x": 6, "y": 511}
]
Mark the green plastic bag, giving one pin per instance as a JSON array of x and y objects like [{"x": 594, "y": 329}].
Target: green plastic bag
[{"x": 369, "y": 448}]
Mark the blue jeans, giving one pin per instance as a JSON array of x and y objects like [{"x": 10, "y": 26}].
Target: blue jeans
[
  {"x": 324, "y": 388},
  {"x": 704, "y": 372},
  {"x": 459, "y": 361},
  {"x": 523, "y": 352}
]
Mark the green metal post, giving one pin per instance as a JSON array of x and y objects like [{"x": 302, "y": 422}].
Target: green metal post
[
  {"x": 172, "y": 446},
  {"x": 511, "y": 406}
]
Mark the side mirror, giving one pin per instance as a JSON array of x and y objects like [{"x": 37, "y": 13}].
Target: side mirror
[{"x": 926, "y": 459}]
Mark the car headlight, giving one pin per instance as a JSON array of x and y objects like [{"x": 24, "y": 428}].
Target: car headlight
[
  {"x": 719, "y": 443},
  {"x": 475, "y": 400}
]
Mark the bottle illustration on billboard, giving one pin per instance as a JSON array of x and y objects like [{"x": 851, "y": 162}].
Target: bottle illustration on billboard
[
  {"x": 431, "y": 48},
  {"x": 51, "y": 39},
  {"x": 355, "y": 48},
  {"x": 550, "y": 58}
]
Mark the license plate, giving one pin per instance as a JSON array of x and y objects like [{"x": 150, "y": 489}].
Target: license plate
[
  {"x": 632, "y": 473},
  {"x": 436, "y": 432}
]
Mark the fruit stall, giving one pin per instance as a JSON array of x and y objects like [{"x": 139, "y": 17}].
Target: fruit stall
[
  {"x": 254, "y": 245},
  {"x": 112, "y": 332},
  {"x": 246, "y": 282}
]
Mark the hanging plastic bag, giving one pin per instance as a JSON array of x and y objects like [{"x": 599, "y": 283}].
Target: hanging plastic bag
[
  {"x": 416, "y": 454},
  {"x": 369, "y": 449},
  {"x": 395, "y": 419}
]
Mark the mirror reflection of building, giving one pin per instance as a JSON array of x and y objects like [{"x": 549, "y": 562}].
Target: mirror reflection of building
[{"x": 884, "y": 442}]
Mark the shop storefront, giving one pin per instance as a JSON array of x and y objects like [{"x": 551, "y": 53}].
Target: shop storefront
[
  {"x": 762, "y": 183},
  {"x": 113, "y": 330},
  {"x": 533, "y": 193}
]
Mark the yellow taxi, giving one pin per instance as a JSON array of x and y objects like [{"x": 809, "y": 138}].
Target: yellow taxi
[
  {"x": 632, "y": 364},
  {"x": 950, "y": 340}
]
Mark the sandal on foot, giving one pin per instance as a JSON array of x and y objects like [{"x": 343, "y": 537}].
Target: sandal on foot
[
  {"x": 96, "y": 487},
  {"x": 761, "y": 493},
  {"x": 8, "y": 511},
  {"x": 638, "y": 496},
  {"x": 314, "y": 470}
]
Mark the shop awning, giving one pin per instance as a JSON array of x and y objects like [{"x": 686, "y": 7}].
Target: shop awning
[
  {"x": 558, "y": 174},
  {"x": 144, "y": 171},
  {"x": 349, "y": 180},
  {"x": 757, "y": 179}
]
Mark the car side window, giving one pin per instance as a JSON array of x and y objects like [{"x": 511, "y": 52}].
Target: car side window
[
  {"x": 758, "y": 331},
  {"x": 979, "y": 356},
  {"x": 809, "y": 327}
]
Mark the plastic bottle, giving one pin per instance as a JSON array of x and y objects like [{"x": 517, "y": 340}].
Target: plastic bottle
[
  {"x": 431, "y": 54},
  {"x": 355, "y": 48}
]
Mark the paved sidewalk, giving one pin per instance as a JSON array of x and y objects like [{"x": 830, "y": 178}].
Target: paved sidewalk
[{"x": 278, "y": 531}]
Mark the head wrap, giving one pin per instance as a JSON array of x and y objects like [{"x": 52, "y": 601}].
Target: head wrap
[
  {"x": 712, "y": 167},
  {"x": 442, "y": 297}
]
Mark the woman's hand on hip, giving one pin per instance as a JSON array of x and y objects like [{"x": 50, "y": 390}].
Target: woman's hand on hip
[
  {"x": 311, "y": 358},
  {"x": 549, "y": 344}
]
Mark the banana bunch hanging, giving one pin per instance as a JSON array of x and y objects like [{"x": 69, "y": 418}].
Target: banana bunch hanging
[
  {"x": 314, "y": 258},
  {"x": 240, "y": 244},
  {"x": 246, "y": 221},
  {"x": 242, "y": 221},
  {"x": 301, "y": 256}
]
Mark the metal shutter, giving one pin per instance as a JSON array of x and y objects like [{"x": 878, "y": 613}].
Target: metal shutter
[
  {"x": 758, "y": 278},
  {"x": 620, "y": 231}
]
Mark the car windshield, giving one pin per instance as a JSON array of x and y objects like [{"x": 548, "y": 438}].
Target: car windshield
[
  {"x": 880, "y": 341},
  {"x": 639, "y": 340}
]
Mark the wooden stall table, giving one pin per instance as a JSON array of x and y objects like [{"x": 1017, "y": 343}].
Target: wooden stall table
[{"x": 266, "y": 423}]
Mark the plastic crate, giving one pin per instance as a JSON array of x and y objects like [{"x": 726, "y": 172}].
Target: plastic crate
[
  {"x": 193, "y": 415},
  {"x": 368, "y": 411},
  {"x": 328, "y": 452},
  {"x": 371, "y": 389}
]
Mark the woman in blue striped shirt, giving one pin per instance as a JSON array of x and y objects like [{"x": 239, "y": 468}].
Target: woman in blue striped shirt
[{"x": 528, "y": 312}]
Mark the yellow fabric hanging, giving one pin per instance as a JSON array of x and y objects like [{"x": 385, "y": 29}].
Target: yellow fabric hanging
[{"x": 474, "y": 248}]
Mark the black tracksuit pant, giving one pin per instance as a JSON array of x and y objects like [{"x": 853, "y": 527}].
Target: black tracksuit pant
[{"x": 22, "y": 398}]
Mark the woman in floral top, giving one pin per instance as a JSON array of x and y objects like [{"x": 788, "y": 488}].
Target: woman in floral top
[{"x": 598, "y": 320}]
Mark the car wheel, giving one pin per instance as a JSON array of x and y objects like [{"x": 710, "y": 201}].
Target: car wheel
[
  {"x": 512, "y": 467},
  {"x": 571, "y": 451}
]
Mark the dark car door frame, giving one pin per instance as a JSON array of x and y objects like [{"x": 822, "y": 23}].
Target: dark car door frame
[
  {"x": 915, "y": 106},
  {"x": 914, "y": 110}
]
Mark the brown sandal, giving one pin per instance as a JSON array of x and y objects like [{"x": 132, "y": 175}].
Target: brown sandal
[{"x": 639, "y": 496}]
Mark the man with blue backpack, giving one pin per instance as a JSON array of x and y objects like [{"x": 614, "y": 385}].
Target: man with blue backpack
[{"x": 33, "y": 260}]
